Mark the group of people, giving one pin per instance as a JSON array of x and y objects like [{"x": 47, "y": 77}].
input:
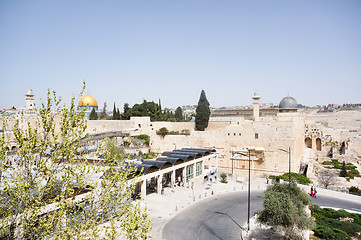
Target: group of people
[
  {"x": 274, "y": 179},
  {"x": 180, "y": 182},
  {"x": 208, "y": 177}
]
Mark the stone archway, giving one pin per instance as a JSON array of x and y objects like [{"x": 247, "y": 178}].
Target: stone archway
[
  {"x": 318, "y": 144},
  {"x": 308, "y": 142},
  {"x": 330, "y": 153},
  {"x": 342, "y": 148}
]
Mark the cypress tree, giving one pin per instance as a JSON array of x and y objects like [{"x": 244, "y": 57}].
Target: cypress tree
[
  {"x": 202, "y": 112},
  {"x": 160, "y": 112},
  {"x": 93, "y": 115},
  {"x": 114, "y": 113},
  {"x": 343, "y": 172},
  {"x": 118, "y": 114},
  {"x": 178, "y": 114}
]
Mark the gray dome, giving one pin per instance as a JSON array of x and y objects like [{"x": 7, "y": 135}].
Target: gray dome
[{"x": 288, "y": 103}]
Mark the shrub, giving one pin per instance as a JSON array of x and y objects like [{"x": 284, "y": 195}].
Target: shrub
[
  {"x": 144, "y": 137},
  {"x": 150, "y": 155},
  {"x": 295, "y": 176},
  {"x": 185, "y": 132},
  {"x": 162, "y": 131},
  {"x": 173, "y": 133},
  {"x": 324, "y": 232},
  {"x": 223, "y": 178},
  {"x": 328, "y": 220},
  {"x": 326, "y": 163},
  {"x": 354, "y": 190}
]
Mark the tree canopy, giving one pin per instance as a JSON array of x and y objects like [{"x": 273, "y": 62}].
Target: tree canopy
[
  {"x": 202, "y": 112},
  {"x": 93, "y": 115},
  {"x": 179, "y": 114},
  {"x": 49, "y": 190},
  {"x": 150, "y": 109},
  {"x": 116, "y": 113}
]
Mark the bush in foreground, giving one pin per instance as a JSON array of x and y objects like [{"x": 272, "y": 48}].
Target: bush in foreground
[
  {"x": 284, "y": 208},
  {"x": 332, "y": 224}
]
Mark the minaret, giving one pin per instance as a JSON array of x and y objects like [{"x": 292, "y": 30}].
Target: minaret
[
  {"x": 256, "y": 105},
  {"x": 29, "y": 100}
]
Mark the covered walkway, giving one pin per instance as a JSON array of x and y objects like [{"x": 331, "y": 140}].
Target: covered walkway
[{"x": 173, "y": 168}]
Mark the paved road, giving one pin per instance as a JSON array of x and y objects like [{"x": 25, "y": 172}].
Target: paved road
[
  {"x": 221, "y": 217},
  {"x": 327, "y": 201},
  {"x": 215, "y": 218}
]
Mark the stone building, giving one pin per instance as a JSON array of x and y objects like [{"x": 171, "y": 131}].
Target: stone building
[{"x": 263, "y": 132}]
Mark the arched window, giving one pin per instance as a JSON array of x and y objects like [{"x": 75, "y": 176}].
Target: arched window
[
  {"x": 318, "y": 144},
  {"x": 308, "y": 142}
]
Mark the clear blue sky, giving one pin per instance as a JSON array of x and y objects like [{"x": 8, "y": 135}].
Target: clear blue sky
[{"x": 127, "y": 51}]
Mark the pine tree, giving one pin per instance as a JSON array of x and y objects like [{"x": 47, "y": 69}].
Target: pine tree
[
  {"x": 202, "y": 112},
  {"x": 125, "y": 115},
  {"x": 93, "y": 115}
]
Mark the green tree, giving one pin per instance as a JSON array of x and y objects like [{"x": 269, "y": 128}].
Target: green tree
[
  {"x": 52, "y": 193},
  {"x": 202, "y": 112},
  {"x": 179, "y": 114},
  {"x": 93, "y": 115},
  {"x": 284, "y": 209},
  {"x": 125, "y": 115},
  {"x": 113, "y": 151},
  {"x": 150, "y": 109},
  {"x": 118, "y": 114},
  {"x": 163, "y": 131},
  {"x": 168, "y": 115}
]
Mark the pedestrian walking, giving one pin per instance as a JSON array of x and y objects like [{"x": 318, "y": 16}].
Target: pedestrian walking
[{"x": 267, "y": 179}]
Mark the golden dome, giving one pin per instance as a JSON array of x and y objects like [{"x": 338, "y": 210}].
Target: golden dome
[{"x": 87, "y": 101}]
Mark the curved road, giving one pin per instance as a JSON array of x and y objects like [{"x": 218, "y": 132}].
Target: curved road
[{"x": 222, "y": 217}]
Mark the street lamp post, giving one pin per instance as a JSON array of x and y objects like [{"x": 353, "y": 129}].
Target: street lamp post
[
  {"x": 249, "y": 184},
  {"x": 289, "y": 162}
]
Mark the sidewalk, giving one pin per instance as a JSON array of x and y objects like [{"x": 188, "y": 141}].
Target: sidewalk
[{"x": 163, "y": 208}]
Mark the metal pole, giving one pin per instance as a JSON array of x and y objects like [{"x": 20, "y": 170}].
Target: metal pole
[
  {"x": 249, "y": 185},
  {"x": 289, "y": 165},
  {"x": 232, "y": 161}
]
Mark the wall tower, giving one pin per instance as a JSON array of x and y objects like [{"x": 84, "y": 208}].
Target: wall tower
[
  {"x": 29, "y": 100},
  {"x": 256, "y": 106}
]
